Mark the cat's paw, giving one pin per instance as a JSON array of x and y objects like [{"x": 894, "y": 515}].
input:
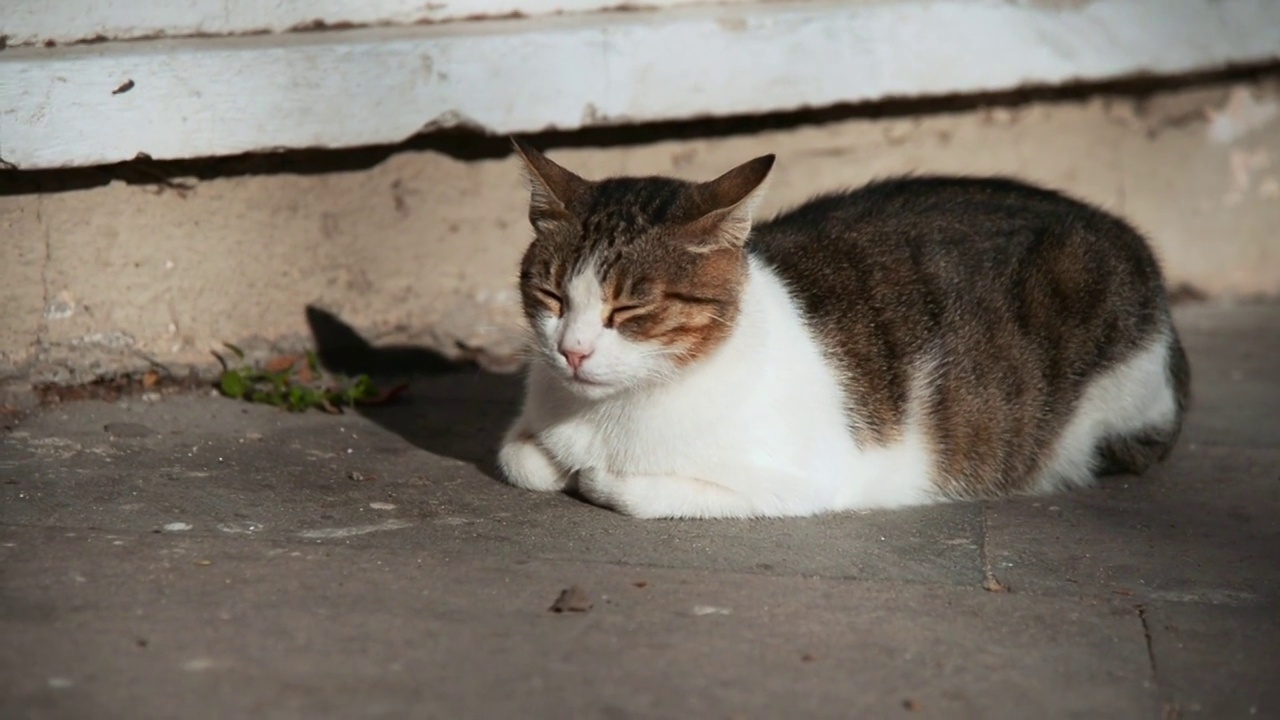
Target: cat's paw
[
  {"x": 606, "y": 489},
  {"x": 526, "y": 465},
  {"x": 665, "y": 496}
]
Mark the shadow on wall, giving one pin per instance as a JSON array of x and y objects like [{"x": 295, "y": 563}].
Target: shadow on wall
[{"x": 452, "y": 409}]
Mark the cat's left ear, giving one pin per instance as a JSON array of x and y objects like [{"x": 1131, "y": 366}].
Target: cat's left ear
[{"x": 727, "y": 203}]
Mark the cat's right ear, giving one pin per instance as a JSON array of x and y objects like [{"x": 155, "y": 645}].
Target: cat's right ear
[{"x": 553, "y": 190}]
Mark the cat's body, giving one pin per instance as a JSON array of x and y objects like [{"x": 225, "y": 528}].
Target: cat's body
[{"x": 915, "y": 340}]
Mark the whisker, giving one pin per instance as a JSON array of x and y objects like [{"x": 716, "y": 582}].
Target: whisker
[{"x": 719, "y": 319}]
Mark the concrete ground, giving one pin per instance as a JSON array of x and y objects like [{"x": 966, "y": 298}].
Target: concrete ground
[{"x": 193, "y": 557}]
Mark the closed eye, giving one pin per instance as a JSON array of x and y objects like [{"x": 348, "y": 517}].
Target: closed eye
[
  {"x": 692, "y": 299},
  {"x": 552, "y": 300},
  {"x": 620, "y": 313}
]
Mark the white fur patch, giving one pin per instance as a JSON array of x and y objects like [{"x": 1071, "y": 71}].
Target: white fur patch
[
  {"x": 583, "y": 322},
  {"x": 1134, "y": 395},
  {"x": 756, "y": 428}
]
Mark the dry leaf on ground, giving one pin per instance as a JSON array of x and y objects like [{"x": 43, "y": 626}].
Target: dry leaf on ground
[{"x": 572, "y": 599}]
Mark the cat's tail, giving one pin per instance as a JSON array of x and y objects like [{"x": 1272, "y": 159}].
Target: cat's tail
[
  {"x": 1179, "y": 369},
  {"x": 1135, "y": 452}
]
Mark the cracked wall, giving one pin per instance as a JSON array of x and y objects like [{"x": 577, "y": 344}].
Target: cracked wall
[{"x": 422, "y": 248}]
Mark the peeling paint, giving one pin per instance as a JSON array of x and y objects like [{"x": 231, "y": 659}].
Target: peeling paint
[
  {"x": 453, "y": 119},
  {"x": 1242, "y": 114},
  {"x": 61, "y": 307},
  {"x": 591, "y": 115},
  {"x": 1245, "y": 164}
]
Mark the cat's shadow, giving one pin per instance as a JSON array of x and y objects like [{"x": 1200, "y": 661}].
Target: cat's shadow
[{"x": 451, "y": 409}]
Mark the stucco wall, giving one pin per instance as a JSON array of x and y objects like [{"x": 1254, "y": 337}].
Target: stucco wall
[{"x": 422, "y": 248}]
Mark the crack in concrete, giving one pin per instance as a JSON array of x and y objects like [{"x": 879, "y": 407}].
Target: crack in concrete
[
  {"x": 1168, "y": 710},
  {"x": 1146, "y": 632},
  {"x": 990, "y": 582}
]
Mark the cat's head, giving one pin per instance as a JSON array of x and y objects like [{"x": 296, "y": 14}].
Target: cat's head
[{"x": 630, "y": 280}]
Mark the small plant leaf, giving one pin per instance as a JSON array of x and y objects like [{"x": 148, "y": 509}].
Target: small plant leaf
[
  {"x": 268, "y": 398},
  {"x": 363, "y": 387},
  {"x": 233, "y": 385},
  {"x": 297, "y": 383}
]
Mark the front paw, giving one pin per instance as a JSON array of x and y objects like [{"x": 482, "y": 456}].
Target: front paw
[
  {"x": 526, "y": 465},
  {"x": 606, "y": 489}
]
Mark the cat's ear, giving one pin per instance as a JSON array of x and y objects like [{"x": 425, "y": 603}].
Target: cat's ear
[
  {"x": 727, "y": 203},
  {"x": 553, "y": 190}
]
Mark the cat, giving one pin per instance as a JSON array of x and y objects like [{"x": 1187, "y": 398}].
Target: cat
[{"x": 920, "y": 339}]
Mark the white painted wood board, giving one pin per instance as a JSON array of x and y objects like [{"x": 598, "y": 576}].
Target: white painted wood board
[
  {"x": 206, "y": 97},
  {"x": 33, "y": 22}
]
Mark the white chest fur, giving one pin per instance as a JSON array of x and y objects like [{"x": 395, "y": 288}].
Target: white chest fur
[{"x": 762, "y": 416}]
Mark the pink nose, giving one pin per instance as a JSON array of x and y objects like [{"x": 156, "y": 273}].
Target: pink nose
[{"x": 575, "y": 359}]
